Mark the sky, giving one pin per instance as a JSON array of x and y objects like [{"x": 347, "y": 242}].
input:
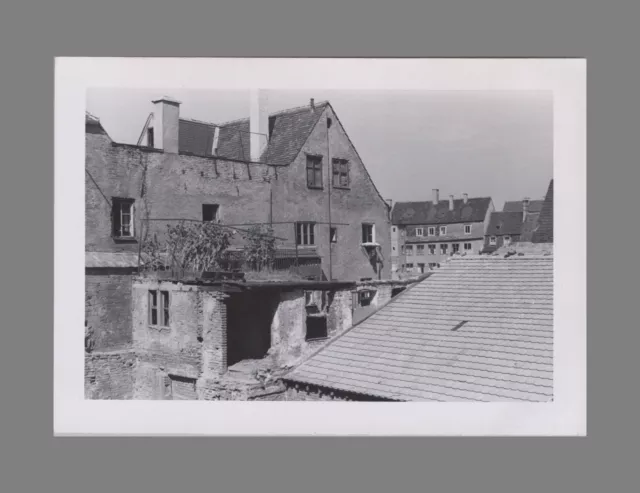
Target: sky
[{"x": 495, "y": 144}]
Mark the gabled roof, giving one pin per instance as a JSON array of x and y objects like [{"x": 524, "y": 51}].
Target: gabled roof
[
  {"x": 529, "y": 225},
  {"x": 478, "y": 329},
  {"x": 544, "y": 232},
  {"x": 426, "y": 213},
  {"x": 516, "y": 206},
  {"x": 93, "y": 125},
  {"x": 505, "y": 223},
  {"x": 289, "y": 131}
]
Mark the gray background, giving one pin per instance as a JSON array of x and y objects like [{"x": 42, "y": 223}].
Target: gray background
[{"x": 32, "y": 460}]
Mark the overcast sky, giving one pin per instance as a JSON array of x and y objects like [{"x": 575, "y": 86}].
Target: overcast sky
[{"x": 497, "y": 144}]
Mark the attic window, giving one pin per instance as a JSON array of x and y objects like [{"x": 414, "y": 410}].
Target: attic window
[
  {"x": 272, "y": 123},
  {"x": 150, "y": 137},
  {"x": 459, "y": 325}
]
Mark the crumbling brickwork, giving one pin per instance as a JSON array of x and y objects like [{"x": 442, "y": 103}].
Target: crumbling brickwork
[
  {"x": 109, "y": 375},
  {"x": 301, "y": 392}
]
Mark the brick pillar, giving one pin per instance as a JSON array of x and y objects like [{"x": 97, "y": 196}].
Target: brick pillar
[{"x": 214, "y": 335}]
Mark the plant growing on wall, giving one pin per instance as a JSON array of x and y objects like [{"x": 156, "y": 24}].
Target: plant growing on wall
[{"x": 260, "y": 247}]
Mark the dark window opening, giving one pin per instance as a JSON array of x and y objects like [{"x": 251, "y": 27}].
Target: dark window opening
[
  {"x": 305, "y": 234},
  {"x": 316, "y": 328},
  {"x": 159, "y": 308},
  {"x": 333, "y": 233},
  {"x": 314, "y": 171},
  {"x": 396, "y": 291},
  {"x": 150, "y": 137},
  {"x": 365, "y": 297},
  {"x": 122, "y": 217},
  {"x": 368, "y": 235},
  {"x": 272, "y": 123},
  {"x": 210, "y": 212},
  {"x": 340, "y": 173}
]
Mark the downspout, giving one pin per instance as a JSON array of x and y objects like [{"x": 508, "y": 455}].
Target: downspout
[{"x": 330, "y": 174}]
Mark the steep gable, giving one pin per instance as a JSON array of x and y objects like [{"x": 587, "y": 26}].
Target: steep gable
[{"x": 544, "y": 231}]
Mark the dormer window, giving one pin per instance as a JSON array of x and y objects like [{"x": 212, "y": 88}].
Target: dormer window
[
  {"x": 419, "y": 231},
  {"x": 467, "y": 229},
  {"x": 443, "y": 230},
  {"x": 432, "y": 231}
]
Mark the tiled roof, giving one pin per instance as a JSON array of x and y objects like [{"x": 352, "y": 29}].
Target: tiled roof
[
  {"x": 426, "y": 213},
  {"x": 516, "y": 206},
  {"x": 289, "y": 131},
  {"x": 505, "y": 223},
  {"x": 544, "y": 232},
  {"x": 111, "y": 259},
  {"x": 529, "y": 226},
  {"x": 478, "y": 329}
]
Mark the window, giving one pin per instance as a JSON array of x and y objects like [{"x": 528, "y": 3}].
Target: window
[
  {"x": 210, "y": 212},
  {"x": 432, "y": 265},
  {"x": 443, "y": 230},
  {"x": 419, "y": 231},
  {"x": 122, "y": 217},
  {"x": 432, "y": 231},
  {"x": 402, "y": 249},
  {"x": 443, "y": 248},
  {"x": 507, "y": 240},
  {"x": 420, "y": 249},
  {"x": 365, "y": 297},
  {"x": 467, "y": 246},
  {"x": 409, "y": 249},
  {"x": 394, "y": 229},
  {"x": 340, "y": 173},
  {"x": 409, "y": 266},
  {"x": 492, "y": 240},
  {"x": 316, "y": 328},
  {"x": 159, "y": 308},
  {"x": 305, "y": 234},
  {"x": 421, "y": 268},
  {"x": 455, "y": 247},
  {"x": 150, "y": 137},
  {"x": 368, "y": 233},
  {"x": 314, "y": 171},
  {"x": 333, "y": 235},
  {"x": 432, "y": 249},
  {"x": 467, "y": 229}
]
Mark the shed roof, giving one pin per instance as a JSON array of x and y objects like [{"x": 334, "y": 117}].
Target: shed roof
[
  {"x": 478, "y": 329},
  {"x": 426, "y": 213}
]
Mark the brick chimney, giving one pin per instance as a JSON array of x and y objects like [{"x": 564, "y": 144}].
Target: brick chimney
[
  {"x": 166, "y": 116},
  {"x": 465, "y": 197},
  {"x": 258, "y": 124},
  {"x": 435, "y": 196},
  {"x": 451, "y": 203},
  {"x": 525, "y": 208}
]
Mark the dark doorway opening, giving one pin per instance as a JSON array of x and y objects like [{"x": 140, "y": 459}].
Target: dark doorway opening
[
  {"x": 396, "y": 291},
  {"x": 249, "y": 317}
]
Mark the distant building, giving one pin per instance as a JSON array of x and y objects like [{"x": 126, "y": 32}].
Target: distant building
[
  {"x": 425, "y": 234},
  {"x": 467, "y": 333},
  {"x": 544, "y": 231}
]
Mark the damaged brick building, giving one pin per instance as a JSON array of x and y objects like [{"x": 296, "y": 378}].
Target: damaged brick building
[{"x": 296, "y": 170}]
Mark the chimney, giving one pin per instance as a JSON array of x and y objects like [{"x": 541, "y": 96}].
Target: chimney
[
  {"x": 312, "y": 104},
  {"x": 451, "y": 203},
  {"x": 436, "y": 196},
  {"x": 525, "y": 208},
  {"x": 166, "y": 117},
  {"x": 465, "y": 197},
  {"x": 216, "y": 138},
  {"x": 258, "y": 124}
]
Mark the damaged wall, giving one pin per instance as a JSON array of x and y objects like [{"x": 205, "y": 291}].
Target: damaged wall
[{"x": 109, "y": 375}]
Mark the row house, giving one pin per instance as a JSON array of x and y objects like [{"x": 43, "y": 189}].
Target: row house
[
  {"x": 425, "y": 234},
  {"x": 296, "y": 170}
]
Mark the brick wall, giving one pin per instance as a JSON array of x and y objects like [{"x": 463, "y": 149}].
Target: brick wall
[
  {"x": 108, "y": 307},
  {"x": 109, "y": 375}
]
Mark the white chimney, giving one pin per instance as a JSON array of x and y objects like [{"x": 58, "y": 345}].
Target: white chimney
[
  {"x": 258, "y": 124},
  {"x": 216, "y": 138},
  {"x": 451, "y": 203},
  {"x": 436, "y": 196},
  {"x": 465, "y": 197},
  {"x": 525, "y": 208},
  {"x": 166, "y": 124}
]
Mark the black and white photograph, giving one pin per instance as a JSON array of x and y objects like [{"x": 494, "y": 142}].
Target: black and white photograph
[{"x": 327, "y": 245}]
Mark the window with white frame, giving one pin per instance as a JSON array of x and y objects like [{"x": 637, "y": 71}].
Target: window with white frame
[
  {"x": 159, "y": 308},
  {"x": 305, "y": 233},
  {"x": 368, "y": 233},
  {"x": 122, "y": 217},
  {"x": 432, "y": 249},
  {"x": 455, "y": 247},
  {"x": 420, "y": 249},
  {"x": 431, "y": 231},
  {"x": 444, "y": 248},
  {"x": 467, "y": 246},
  {"x": 493, "y": 240},
  {"x": 507, "y": 239},
  {"x": 443, "y": 230},
  {"x": 467, "y": 229},
  {"x": 409, "y": 250},
  {"x": 314, "y": 171},
  {"x": 419, "y": 231},
  {"x": 340, "y": 173}
]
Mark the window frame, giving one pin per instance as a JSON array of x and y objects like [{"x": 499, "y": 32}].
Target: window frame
[
  {"x": 431, "y": 231},
  {"x": 506, "y": 239},
  {"x": 161, "y": 307},
  {"x": 340, "y": 169},
  {"x": 420, "y": 249},
  {"x": 442, "y": 230},
  {"x": 315, "y": 165},
  {"x": 465, "y": 229},
  {"x": 444, "y": 248},
  {"x": 116, "y": 211},
  {"x": 150, "y": 137},
  {"x": 216, "y": 215},
  {"x": 333, "y": 234},
  {"x": 470, "y": 246},
  {"x": 420, "y": 232},
  {"x": 455, "y": 247},
  {"x": 365, "y": 236},
  {"x": 493, "y": 240},
  {"x": 409, "y": 250},
  {"x": 305, "y": 230},
  {"x": 432, "y": 248}
]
